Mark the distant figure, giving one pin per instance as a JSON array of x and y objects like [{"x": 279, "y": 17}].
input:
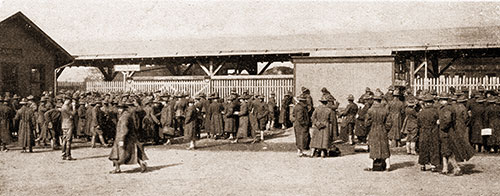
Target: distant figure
[
  {"x": 301, "y": 125},
  {"x": 26, "y": 118},
  {"x": 322, "y": 119}
]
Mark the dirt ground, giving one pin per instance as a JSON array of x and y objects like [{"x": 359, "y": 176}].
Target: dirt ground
[{"x": 221, "y": 168}]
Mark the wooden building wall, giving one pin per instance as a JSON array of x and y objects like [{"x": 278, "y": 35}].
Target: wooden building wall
[
  {"x": 342, "y": 75},
  {"x": 26, "y": 66}
]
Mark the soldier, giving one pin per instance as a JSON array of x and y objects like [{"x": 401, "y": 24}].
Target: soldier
[
  {"x": 150, "y": 123},
  {"x": 333, "y": 105},
  {"x": 493, "y": 123},
  {"x": 410, "y": 126},
  {"x": 180, "y": 113},
  {"x": 428, "y": 135},
  {"x": 262, "y": 112},
  {"x": 322, "y": 118},
  {"x": 396, "y": 111},
  {"x": 243, "y": 119},
  {"x": 53, "y": 123},
  {"x": 361, "y": 130},
  {"x": 167, "y": 119},
  {"x": 453, "y": 147},
  {"x": 204, "y": 103},
  {"x": 349, "y": 113},
  {"x": 301, "y": 125},
  {"x": 309, "y": 102},
  {"x": 284, "y": 118},
  {"x": 463, "y": 118},
  {"x": 230, "y": 119},
  {"x": 67, "y": 115},
  {"x": 190, "y": 126},
  {"x": 40, "y": 121},
  {"x": 26, "y": 118},
  {"x": 96, "y": 123},
  {"x": 126, "y": 147},
  {"x": 6, "y": 114},
  {"x": 273, "y": 111},
  {"x": 377, "y": 119},
  {"x": 215, "y": 113},
  {"x": 82, "y": 114},
  {"x": 477, "y": 122}
]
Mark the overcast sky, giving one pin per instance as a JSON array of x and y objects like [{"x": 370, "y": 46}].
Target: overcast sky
[{"x": 77, "y": 20}]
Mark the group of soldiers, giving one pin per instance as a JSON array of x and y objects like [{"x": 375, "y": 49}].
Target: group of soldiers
[
  {"x": 441, "y": 129},
  {"x": 158, "y": 117}
]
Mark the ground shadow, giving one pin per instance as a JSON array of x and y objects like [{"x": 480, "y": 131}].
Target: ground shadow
[
  {"x": 468, "y": 169},
  {"x": 402, "y": 165},
  {"x": 151, "y": 168},
  {"x": 93, "y": 157}
]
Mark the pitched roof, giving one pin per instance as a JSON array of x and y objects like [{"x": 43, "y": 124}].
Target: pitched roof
[{"x": 63, "y": 57}]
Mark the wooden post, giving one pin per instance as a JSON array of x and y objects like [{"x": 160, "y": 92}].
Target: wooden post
[{"x": 412, "y": 75}]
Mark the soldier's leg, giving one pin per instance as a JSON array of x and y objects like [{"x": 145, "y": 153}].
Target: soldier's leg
[
  {"x": 92, "y": 141},
  {"x": 445, "y": 165},
  {"x": 101, "y": 138},
  {"x": 413, "y": 148},
  {"x": 388, "y": 164}
]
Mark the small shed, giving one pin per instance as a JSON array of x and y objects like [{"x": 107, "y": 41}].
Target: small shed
[{"x": 28, "y": 57}]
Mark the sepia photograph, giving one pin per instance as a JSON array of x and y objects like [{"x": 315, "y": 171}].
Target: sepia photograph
[{"x": 249, "y": 97}]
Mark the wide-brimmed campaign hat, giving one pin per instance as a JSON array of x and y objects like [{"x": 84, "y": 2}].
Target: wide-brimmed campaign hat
[
  {"x": 461, "y": 99},
  {"x": 428, "y": 98}
]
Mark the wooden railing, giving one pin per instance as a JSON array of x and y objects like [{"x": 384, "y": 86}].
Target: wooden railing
[{"x": 443, "y": 84}]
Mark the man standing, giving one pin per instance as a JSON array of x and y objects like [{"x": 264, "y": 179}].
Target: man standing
[
  {"x": 322, "y": 119},
  {"x": 379, "y": 124},
  {"x": 361, "y": 130},
  {"x": 428, "y": 135},
  {"x": 26, "y": 116},
  {"x": 284, "y": 117},
  {"x": 6, "y": 113},
  {"x": 350, "y": 114},
  {"x": 67, "y": 115},
  {"x": 180, "y": 113},
  {"x": 301, "y": 125},
  {"x": 190, "y": 126},
  {"x": 262, "y": 111},
  {"x": 396, "y": 111},
  {"x": 126, "y": 147}
]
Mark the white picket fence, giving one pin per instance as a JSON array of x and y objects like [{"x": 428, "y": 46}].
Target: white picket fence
[
  {"x": 262, "y": 84},
  {"x": 443, "y": 84}
]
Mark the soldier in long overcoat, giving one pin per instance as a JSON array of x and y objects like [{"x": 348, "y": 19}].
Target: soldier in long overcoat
[
  {"x": 126, "y": 147},
  {"x": 463, "y": 119},
  {"x": 167, "y": 119},
  {"x": 6, "y": 115},
  {"x": 478, "y": 116},
  {"x": 493, "y": 123},
  {"x": 322, "y": 119},
  {"x": 82, "y": 116},
  {"x": 26, "y": 118},
  {"x": 243, "y": 126},
  {"x": 215, "y": 112},
  {"x": 396, "y": 111},
  {"x": 190, "y": 124},
  {"x": 453, "y": 146},
  {"x": 333, "y": 104},
  {"x": 53, "y": 123},
  {"x": 428, "y": 135},
  {"x": 301, "y": 125},
  {"x": 379, "y": 122}
]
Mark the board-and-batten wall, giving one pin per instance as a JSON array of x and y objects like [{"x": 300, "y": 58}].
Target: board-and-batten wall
[{"x": 342, "y": 75}]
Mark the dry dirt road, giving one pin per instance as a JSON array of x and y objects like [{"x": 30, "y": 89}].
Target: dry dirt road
[{"x": 220, "y": 168}]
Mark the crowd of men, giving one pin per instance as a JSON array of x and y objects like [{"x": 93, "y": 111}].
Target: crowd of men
[{"x": 439, "y": 128}]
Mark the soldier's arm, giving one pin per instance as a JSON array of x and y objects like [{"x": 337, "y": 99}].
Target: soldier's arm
[{"x": 445, "y": 120}]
